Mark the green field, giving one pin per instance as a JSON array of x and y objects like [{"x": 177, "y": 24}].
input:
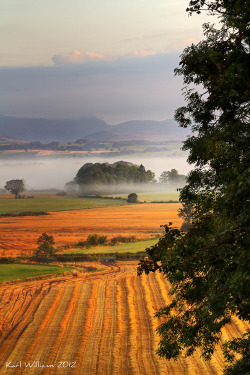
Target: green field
[
  {"x": 55, "y": 204},
  {"x": 15, "y": 271},
  {"x": 131, "y": 247}
]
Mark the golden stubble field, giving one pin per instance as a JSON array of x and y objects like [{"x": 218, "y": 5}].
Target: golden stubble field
[
  {"x": 99, "y": 323},
  {"x": 19, "y": 234}
]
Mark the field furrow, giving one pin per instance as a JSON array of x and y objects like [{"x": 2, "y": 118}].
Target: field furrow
[
  {"x": 143, "y": 348},
  {"x": 49, "y": 336},
  {"x": 20, "y": 315},
  {"x": 94, "y": 331},
  {"x": 31, "y": 337},
  {"x": 66, "y": 357},
  {"x": 122, "y": 347}
]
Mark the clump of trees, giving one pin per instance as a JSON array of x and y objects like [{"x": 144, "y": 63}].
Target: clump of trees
[
  {"x": 15, "y": 187},
  {"x": 96, "y": 240},
  {"x": 172, "y": 178},
  {"x": 208, "y": 266},
  {"x": 113, "y": 174}
]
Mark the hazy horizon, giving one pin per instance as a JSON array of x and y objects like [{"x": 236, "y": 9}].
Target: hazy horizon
[{"x": 54, "y": 173}]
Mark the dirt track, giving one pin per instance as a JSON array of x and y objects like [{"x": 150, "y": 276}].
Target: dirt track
[{"x": 99, "y": 323}]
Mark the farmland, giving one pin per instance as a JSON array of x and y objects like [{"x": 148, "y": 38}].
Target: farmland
[
  {"x": 100, "y": 323},
  {"x": 22, "y": 271},
  {"x": 19, "y": 234},
  {"x": 55, "y": 204},
  {"x": 132, "y": 247}
]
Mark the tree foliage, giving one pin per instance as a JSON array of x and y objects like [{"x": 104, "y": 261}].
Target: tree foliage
[
  {"x": 132, "y": 198},
  {"x": 208, "y": 266},
  {"x": 186, "y": 213},
  {"x": 172, "y": 178},
  {"x": 112, "y": 174},
  {"x": 45, "y": 247},
  {"x": 15, "y": 187}
]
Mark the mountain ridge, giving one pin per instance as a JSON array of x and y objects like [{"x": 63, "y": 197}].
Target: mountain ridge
[{"x": 92, "y": 128}]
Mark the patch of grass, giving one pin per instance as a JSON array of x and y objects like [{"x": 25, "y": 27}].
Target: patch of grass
[
  {"x": 131, "y": 247},
  {"x": 55, "y": 204},
  {"x": 9, "y": 272}
]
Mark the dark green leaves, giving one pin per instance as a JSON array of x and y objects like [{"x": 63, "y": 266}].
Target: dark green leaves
[{"x": 208, "y": 266}]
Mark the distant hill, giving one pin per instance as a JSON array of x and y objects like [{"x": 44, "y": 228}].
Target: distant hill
[
  {"x": 92, "y": 128},
  {"x": 46, "y": 130},
  {"x": 153, "y": 130}
]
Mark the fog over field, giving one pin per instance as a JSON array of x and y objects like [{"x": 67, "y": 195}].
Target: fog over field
[{"x": 54, "y": 173}]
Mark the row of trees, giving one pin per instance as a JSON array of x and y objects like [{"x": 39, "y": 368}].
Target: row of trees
[
  {"x": 105, "y": 174},
  {"x": 208, "y": 266}
]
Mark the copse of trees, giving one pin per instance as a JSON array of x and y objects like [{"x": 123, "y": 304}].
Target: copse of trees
[
  {"x": 112, "y": 174},
  {"x": 172, "y": 178},
  {"x": 208, "y": 266}
]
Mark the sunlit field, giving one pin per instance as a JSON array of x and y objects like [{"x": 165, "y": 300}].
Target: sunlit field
[
  {"x": 96, "y": 323},
  {"x": 19, "y": 234}
]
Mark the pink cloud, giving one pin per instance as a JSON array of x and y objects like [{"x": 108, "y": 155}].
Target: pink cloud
[{"x": 77, "y": 57}]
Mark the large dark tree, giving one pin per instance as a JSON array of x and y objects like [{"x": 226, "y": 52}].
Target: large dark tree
[
  {"x": 208, "y": 266},
  {"x": 15, "y": 187}
]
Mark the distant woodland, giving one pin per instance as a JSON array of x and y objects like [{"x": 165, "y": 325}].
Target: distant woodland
[{"x": 112, "y": 174}]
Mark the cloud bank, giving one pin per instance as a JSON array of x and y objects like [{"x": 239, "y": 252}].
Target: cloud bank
[
  {"x": 79, "y": 57},
  {"x": 116, "y": 89}
]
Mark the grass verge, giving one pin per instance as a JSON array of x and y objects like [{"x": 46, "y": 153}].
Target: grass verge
[
  {"x": 131, "y": 247},
  {"x": 9, "y": 272}
]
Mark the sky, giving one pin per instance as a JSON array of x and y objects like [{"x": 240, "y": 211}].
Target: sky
[{"x": 112, "y": 59}]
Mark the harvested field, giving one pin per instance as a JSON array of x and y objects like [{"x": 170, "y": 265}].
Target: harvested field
[
  {"x": 99, "y": 323},
  {"x": 19, "y": 235}
]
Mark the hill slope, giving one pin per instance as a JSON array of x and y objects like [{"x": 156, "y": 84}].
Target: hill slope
[{"x": 92, "y": 128}]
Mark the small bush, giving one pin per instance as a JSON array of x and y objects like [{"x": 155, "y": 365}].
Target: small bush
[
  {"x": 132, "y": 198},
  {"x": 6, "y": 260},
  {"x": 82, "y": 243},
  {"x": 102, "y": 240},
  {"x": 92, "y": 239},
  {"x": 122, "y": 239},
  {"x": 61, "y": 193}
]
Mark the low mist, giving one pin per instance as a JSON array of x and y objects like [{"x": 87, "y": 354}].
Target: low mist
[
  {"x": 54, "y": 173},
  {"x": 125, "y": 189}
]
